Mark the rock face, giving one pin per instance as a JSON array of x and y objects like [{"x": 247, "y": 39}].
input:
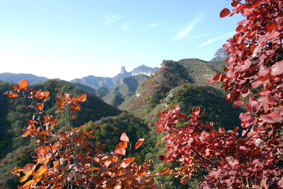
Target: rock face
[
  {"x": 219, "y": 55},
  {"x": 144, "y": 70},
  {"x": 123, "y": 73}
]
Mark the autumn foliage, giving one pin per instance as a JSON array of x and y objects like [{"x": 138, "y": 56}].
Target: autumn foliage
[
  {"x": 66, "y": 159},
  {"x": 253, "y": 157},
  {"x": 250, "y": 156}
]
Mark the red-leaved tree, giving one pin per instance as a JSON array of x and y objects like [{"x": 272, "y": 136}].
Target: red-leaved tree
[{"x": 228, "y": 159}]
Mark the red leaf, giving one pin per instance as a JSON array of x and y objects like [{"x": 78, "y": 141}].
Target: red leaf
[
  {"x": 217, "y": 76},
  {"x": 272, "y": 26},
  {"x": 23, "y": 84},
  {"x": 273, "y": 117},
  {"x": 273, "y": 35},
  {"x": 272, "y": 100},
  {"x": 229, "y": 97},
  {"x": 225, "y": 12},
  {"x": 139, "y": 143},
  {"x": 263, "y": 70},
  {"x": 124, "y": 137},
  {"x": 277, "y": 68}
]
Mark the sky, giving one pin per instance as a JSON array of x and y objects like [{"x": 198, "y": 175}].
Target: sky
[{"x": 70, "y": 39}]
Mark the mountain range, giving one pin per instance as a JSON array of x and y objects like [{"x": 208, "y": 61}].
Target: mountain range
[
  {"x": 107, "y": 82},
  {"x": 130, "y": 102}
]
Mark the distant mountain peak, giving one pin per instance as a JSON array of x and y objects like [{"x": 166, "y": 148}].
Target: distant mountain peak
[
  {"x": 219, "y": 55},
  {"x": 123, "y": 70}
]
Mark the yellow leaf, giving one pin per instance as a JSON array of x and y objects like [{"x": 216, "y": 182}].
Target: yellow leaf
[{"x": 26, "y": 176}]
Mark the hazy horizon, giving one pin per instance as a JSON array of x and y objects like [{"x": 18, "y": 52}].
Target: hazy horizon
[{"x": 73, "y": 39}]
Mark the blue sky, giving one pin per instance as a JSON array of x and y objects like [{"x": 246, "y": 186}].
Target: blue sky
[{"x": 70, "y": 39}]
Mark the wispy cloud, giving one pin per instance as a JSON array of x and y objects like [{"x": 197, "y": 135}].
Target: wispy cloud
[
  {"x": 154, "y": 25},
  {"x": 215, "y": 39},
  {"x": 114, "y": 18},
  {"x": 125, "y": 27},
  {"x": 185, "y": 32}
]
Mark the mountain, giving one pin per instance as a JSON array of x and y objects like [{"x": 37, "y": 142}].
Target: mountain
[
  {"x": 16, "y": 78},
  {"x": 219, "y": 55},
  {"x": 124, "y": 90},
  {"x": 109, "y": 83},
  {"x": 95, "y": 82},
  {"x": 166, "y": 85},
  {"x": 123, "y": 73}
]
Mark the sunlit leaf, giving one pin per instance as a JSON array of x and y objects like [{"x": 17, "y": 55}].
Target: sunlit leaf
[
  {"x": 15, "y": 87},
  {"x": 129, "y": 160},
  {"x": 23, "y": 84},
  {"x": 139, "y": 143},
  {"x": 83, "y": 97},
  {"x": 40, "y": 106},
  {"x": 124, "y": 137},
  {"x": 13, "y": 95},
  {"x": 122, "y": 145},
  {"x": 28, "y": 167},
  {"x": 26, "y": 176}
]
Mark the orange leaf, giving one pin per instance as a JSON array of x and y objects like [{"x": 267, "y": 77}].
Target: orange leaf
[
  {"x": 129, "y": 160},
  {"x": 26, "y": 134},
  {"x": 141, "y": 173},
  {"x": 15, "y": 88},
  {"x": 55, "y": 164},
  {"x": 122, "y": 145},
  {"x": 92, "y": 169},
  {"x": 13, "y": 95},
  {"x": 83, "y": 97},
  {"x": 23, "y": 84},
  {"x": 40, "y": 106},
  {"x": 139, "y": 143},
  {"x": 115, "y": 159},
  {"x": 166, "y": 170},
  {"x": 46, "y": 94},
  {"x": 225, "y": 12},
  {"x": 124, "y": 137}
]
